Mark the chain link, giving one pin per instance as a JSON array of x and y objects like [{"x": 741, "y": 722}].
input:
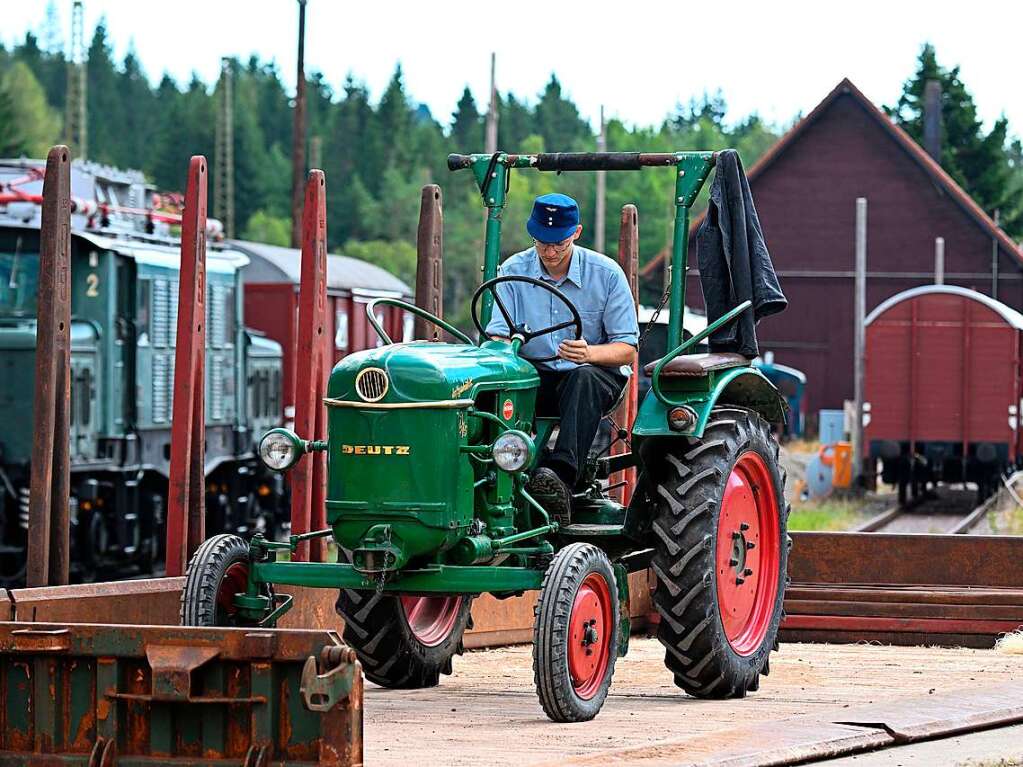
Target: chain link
[{"x": 656, "y": 314}]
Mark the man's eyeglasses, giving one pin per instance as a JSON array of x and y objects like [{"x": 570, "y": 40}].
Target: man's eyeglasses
[{"x": 558, "y": 248}]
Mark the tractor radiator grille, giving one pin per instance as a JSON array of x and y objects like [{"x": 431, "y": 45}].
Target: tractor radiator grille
[{"x": 371, "y": 384}]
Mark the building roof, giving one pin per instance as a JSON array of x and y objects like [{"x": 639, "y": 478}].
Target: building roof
[
  {"x": 1007, "y": 313},
  {"x": 274, "y": 264},
  {"x": 905, "y": 142}
]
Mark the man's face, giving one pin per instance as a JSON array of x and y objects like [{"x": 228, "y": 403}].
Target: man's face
[{"x": 555, "y": 255}]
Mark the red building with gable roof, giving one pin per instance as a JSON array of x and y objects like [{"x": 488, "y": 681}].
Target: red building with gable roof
[{"x": 805, "y": 189}]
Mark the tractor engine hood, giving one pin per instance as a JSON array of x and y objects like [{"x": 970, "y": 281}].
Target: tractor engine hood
[
  {"x": 400, "y": 483},
  {"x": 426, "y": 371}
]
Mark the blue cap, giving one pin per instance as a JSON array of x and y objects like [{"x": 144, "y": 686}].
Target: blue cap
[{"x": 554, "y": 218}]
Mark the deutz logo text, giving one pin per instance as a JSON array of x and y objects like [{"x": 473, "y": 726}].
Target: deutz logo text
[{"x": 376, "y": 450}]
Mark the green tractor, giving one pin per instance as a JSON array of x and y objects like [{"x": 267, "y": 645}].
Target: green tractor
[{"x": 430, "y": 446}]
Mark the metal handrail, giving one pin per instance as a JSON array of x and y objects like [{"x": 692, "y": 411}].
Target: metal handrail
[
  {"x": 418, "y": 311},
  {"x": 719, "y": 322}
]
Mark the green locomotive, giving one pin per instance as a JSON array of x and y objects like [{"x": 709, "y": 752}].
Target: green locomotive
[
  {"x": 429, "y": 450},
  {"x": 124, "y": 313}
]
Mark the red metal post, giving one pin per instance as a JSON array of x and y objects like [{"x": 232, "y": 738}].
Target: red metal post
[
  {"x": 309, "y": 477},
  {"x": 186, "y": 497},
  {"x": 628, "y": 258},
  {"x": 430, "y": 265},
  {"x": 49, "y": 524}
]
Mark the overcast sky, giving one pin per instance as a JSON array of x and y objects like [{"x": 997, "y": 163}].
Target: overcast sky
[{"x": 638, "y": 58}]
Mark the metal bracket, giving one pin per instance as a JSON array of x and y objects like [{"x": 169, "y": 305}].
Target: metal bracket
[
  {"x": 624, "y": 621},
  {"x": 322, "y": 691}
]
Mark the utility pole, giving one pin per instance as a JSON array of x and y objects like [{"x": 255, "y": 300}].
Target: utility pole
[
  {"x": 860, "y": 311},
  {"x": 491, "y": 131},
  {"x": 223, "y": 151},
  {"x": 298, "y": 137},
  {"x": 76, "y": 117},
  {"x": 598, "y": 224},
  {"x": 316, "y": 152},
  {"x": 994, "y": 260}
]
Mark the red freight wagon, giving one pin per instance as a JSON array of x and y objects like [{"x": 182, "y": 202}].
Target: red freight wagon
[
  {"x": 942, "y": 387},
  {"x": 271, "y": 304}
]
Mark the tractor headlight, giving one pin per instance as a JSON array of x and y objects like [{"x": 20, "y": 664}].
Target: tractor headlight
[
  {"x": 280, "y": 449},
  {"x": 513, "y": 451}
]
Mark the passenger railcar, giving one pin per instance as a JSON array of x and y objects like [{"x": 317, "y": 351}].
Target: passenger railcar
[{"x": 942, "y": 388}]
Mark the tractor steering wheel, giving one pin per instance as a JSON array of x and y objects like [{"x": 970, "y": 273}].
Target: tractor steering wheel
[{"x": 523, "y": 330}]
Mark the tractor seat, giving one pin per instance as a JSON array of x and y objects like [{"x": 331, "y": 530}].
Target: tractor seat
[{"x": 698, "y": 365}]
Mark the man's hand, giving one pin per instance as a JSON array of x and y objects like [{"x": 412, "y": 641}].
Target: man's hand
[
  {"x": 575, "y": 351},
  {"x": 609, "y": 355}
]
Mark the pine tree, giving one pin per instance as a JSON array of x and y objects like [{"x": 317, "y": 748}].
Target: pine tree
[
  {"x": 514, "y": 125},
  {"x": 557, "y": 120},
  {"x": 977, "y": 161},
  {"x": 105, "y": 107},
  {"x": 12, "y": 141},
  {"x": 467, "y": 125}
]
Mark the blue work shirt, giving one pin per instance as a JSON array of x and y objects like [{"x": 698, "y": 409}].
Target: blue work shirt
[{"x": 594, "y": 283}]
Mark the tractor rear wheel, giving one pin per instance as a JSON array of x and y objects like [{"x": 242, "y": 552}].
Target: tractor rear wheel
[
  {"x": 721, "y": 553},
  {"x": 219, "y": 569},
  {"x": 404, "y": 642},
  {"x": 576, "y": 634}
]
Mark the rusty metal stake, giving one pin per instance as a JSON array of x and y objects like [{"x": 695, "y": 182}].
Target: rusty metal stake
[
  {"x": 186, "y": 506},
  {"x": 628, "y": 259},
  {"x": 49, "y": 524},
  {"x": 430, "y": 262},
  {"x": 309, "y": 477}
]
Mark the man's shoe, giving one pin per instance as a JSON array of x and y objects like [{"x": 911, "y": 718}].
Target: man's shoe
[{"x": 551, "y": 493}]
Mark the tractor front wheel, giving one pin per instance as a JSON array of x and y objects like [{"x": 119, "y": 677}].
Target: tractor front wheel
[
  {"x": 219, "y": 569},
  {"x": 576, "y": 634},
  {"x": 404, "y": 642},
  {"x": 721, "y": 553}
]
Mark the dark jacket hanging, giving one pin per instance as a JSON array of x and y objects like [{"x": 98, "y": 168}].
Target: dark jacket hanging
[{"x": 733, "y": 258}]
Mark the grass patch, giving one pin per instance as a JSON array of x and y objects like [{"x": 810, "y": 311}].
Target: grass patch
[{"x": 826, "y": 514}]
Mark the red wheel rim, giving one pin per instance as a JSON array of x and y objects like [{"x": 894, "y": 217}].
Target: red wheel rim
[
  {"x": 748, "y": 554},
  {"x": 431, "y": 618},
  {"x": 235, "y": 581},
  {"x": 589, "y": 636}
]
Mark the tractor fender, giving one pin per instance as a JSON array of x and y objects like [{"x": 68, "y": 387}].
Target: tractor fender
[{"x": 744, "y": 387}]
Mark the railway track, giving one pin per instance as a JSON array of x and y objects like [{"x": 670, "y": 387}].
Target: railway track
[{"x": 945, "y": 511}]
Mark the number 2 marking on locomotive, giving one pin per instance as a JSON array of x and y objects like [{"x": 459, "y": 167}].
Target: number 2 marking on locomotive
[{"x": 92, "y": 283}]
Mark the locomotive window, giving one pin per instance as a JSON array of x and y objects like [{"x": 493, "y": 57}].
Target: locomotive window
[
  {"x": 145, "y": 303},
  {"x": 230, "y": 317},
  {"x": 275, "y": 394},
  {"x": 19, "y": 279},
  {"x": 85, "y": 396},
  {"x": 341, "y": 336}
]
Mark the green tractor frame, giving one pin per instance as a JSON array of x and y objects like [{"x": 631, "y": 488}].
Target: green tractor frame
[{"x": 430, "y": 446}]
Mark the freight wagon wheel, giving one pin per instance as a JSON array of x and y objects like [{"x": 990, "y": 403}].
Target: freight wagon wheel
[
  {"x": 219, "y": 569},
  {"x": 404, "y": 642},
  {"x": 721, "y": 553},
  {"x": 575, "y": 638}
]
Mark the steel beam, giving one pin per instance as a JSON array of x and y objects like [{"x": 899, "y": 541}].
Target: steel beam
[
  {"x": 50, "y": 487},
  {"x": 186, "y": 495},
  {"x": 907, "y": 560},
  {"x": 628, "y": 259},
  {"x": 430, "y": 261},
  {"x": 309, "y": 477}
]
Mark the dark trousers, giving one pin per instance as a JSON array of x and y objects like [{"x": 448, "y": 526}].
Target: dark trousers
[{"x": 579, "y": 397}]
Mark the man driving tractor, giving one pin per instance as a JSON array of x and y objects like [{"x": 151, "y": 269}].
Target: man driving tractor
[{"x": 583, "y": 378}]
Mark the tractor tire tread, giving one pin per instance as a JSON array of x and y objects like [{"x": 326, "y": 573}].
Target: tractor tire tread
[{"x": 689, "y": 484}]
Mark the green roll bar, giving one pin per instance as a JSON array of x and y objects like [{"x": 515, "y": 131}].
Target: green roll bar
[
  {"x": 491, "y": 172},
  {"x": 724, "y": 319},
  {"x": 413, "y": 309}
]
